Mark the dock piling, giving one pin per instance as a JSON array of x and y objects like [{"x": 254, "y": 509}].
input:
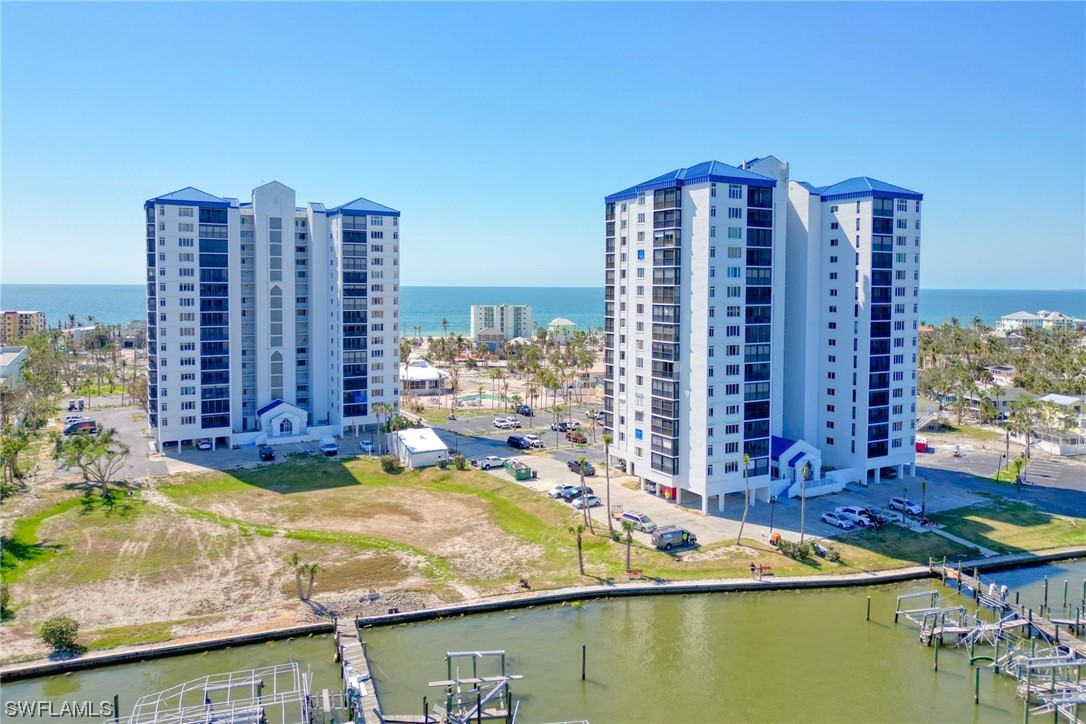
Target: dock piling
[
  {"x": 1044, "y": 595},
  {"x": 976, "y": 685},
  {"x": 869, "y": 608},
  {"x": 1065, "y": 593},
  {"x": 584, "y": 660},
  {"x": 116, "y": 709},
  {"x": 937, "y": 638}
]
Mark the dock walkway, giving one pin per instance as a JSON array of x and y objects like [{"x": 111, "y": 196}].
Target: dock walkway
[{"x": 356, "y": 670}]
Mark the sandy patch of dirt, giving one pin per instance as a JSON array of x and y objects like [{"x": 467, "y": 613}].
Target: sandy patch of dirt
[{"x": 720, "y": 554}]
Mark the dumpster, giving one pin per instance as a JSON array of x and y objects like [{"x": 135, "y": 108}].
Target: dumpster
[{"x": 518, "y": 470}]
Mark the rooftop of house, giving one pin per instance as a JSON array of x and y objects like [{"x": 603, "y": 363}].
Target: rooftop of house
[{"x": 698, "y": 173}]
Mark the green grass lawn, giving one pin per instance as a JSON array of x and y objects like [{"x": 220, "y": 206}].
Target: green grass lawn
[{"x": 1013, "y": 527}]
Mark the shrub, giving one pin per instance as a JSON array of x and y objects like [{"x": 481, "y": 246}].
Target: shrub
[
  {"x": 59, "y": 632},
  {"x": 391, "y": 464},
  {"x": 443, "y": 464},
  {"x": 797, "y": 551},
  {"x": 5, "y": 600},
  {"x": 460, "y": 462}
]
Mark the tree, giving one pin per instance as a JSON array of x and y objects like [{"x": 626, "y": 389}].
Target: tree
[
  {"x": 607, "y": 472},
  {"x": 805, "y": 472},
  {"x": 746, "y": 498},
  {"x": 59, "y": 633},
  {"x": 628, "y": 527},
  {"x": 311, "y": 569},
  {"x": 296, "y": 564},
  {"x": 585, "y": 509},
  {"x": 139, "y": 391},
  {"x": 98, "y": 457},
  {"x": 578, "y": 530},
  {"x": 1023, "y": 419},
  {"x": 382, "y": 410},
  {"x": 444, "y": 327},
  {"x": 12, "y": 443}
]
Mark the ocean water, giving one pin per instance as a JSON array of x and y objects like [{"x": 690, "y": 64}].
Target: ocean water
[{"x": 425, "y": 307}]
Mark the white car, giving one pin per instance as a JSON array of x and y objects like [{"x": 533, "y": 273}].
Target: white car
[
  {"x": 593, "y": 502},
  {"x": 366, "y": 446},
  {"x": 856, "y": 514},
  {"x": 558, "y": 490},
  {"x": 533, "y": 439},
  {"x": 838, "y": 520},
  {"x": 502, "y": 423},
  {"x": 905, "y": 505},
  {"x": 490, "y": 461},
  {"x": 204, "y": 444}
]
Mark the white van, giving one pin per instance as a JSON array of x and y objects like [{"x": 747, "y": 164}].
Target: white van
[{"x": 329, "y": 446}]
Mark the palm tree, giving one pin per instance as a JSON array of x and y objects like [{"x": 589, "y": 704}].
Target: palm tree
[
  {"x": 578, "y": 530},
  {"x": 311, "y": 569},
  {"x": 382, "y": 409},
  {"x": 444, "y": 327},
  {"x": 607, "y": 472},
  {"x": 805, "y": 472},
  {"x": 296, "y": 563},
  {"x": 585, "y": 509},
  {"x": 628, "y": 527},
  {"x": 746, "y": 498}
]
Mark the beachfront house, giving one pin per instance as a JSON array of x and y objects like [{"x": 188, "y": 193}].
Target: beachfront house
[{"x": 419, "y": 377}]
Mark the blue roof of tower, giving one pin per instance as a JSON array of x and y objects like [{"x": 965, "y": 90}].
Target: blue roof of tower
[
  {"x": 190, "y": 196},
  {"x": 363, "y": 207},
  {"x": 865, "y": 186},
  {"x": 700, "y": 173}
]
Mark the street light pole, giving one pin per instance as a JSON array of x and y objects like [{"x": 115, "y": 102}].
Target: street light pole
[{"x": 772, "y": 507}]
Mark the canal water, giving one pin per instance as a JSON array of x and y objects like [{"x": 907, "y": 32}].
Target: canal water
[{"x": 805, "y": 656}]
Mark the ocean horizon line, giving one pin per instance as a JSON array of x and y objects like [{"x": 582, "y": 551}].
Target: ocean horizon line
[{"x": 542, "y": 286}]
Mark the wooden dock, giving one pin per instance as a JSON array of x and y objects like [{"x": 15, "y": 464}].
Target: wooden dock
[
  {"x": 351, "y": 650},
  {"x": 1058, "y": 630}
]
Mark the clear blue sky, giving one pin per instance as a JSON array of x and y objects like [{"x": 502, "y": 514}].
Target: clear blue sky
[{"x": 498, "y": 129}]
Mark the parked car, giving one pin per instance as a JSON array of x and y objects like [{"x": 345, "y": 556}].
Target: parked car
[
  {"x": 84, "y": 425},
  {"x": 533, "y": 438},
  {"x": 519, "y": 442},
  {"x": 366, "y": 447},
  {"x": 672, "y": 536},
  {"x": 905, "y": 505},
  {"x": 558, "y": 490},
  {"x": 69, "y": 419},
  {"x": 888, "y": 473},
  {"x": 75, "y": 405},
  {"x": 565, "y": 425},
  {"x": 490, "y": 461},
  {"x": 502, "y": 423},
  {"x": 329, "y": 446},
  {"x": 524, "y": 410},
  {"x": 838, "y": 520},
  {"x": 575, "y": 467},
  {"x": 592, "y": 501},
  {"x": 204, "y": 444},
  {"x": 855, "y": 514},
  {"x": 575, "y": 492},
  {"x": 878, "y": 515},
  {"x": 267, "y": 452},
  {"x": 575, "y": 436},
  {"x": 640, "y": 521}
]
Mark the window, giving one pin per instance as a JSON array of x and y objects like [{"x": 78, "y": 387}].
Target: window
[
  {"x": 377, "y": 221},
  {"x": 902, "y": 224},
  {"x": 641, "y": 218},
  {"x": 184, "y": 242},
  {"x": 833, "y": 260},
  {"x": 735, "y": 232},
  {"x": 735, "y": 191},
  {"x": 835, "y": 225},
  {"x": 712, "y": 211},
  {"x": 902, "y": 205},
  {"x": 833, "y": 242},
  {"x": 712, "y": 191},
  {"x": 184, "y": 227},
  {"x": 829, "y": 440},
  {"x": 734, "y": 213},
  {"x": 377, "y": 235},
  {"x": 833, "y": 209}
]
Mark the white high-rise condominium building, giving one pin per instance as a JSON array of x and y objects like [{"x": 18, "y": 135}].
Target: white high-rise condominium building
[
  {"x": 852, "y": 291},
  {"x": 512, "y": 320},
  {"x": 700, "y": 279},
  {"x": 266, "y": 321}
]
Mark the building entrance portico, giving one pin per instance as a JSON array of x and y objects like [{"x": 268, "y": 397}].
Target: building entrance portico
[{"x": 282, "y": 421}]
